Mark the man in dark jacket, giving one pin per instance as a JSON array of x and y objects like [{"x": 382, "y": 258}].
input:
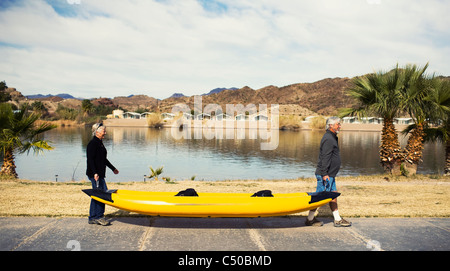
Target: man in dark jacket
[
  {"x": 96, "y": 171},
  {"x": 327, "y": 168}
]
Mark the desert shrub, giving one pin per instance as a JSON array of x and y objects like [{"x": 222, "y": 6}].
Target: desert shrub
[{"x": 318, "y": 122}]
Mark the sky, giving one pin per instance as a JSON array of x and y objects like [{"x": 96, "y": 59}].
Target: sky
[{"x": 109, "y": 48}]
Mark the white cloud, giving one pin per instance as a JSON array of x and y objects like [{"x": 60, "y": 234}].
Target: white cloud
[{"x": 111, "y": 48}]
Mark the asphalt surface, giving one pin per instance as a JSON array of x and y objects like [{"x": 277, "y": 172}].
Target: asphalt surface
[{"x": 223, "y": 234}]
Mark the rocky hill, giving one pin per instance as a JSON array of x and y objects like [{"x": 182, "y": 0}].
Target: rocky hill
[
  {"x": 323, "y": 97},
  {"x": 136, "y": 102}
]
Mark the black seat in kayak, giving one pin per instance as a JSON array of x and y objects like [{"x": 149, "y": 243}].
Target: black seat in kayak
[
  {"x": 263, "y": 193},
  {"x": 190, "y": 192}
]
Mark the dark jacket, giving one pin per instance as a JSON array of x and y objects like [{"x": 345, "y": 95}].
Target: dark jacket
[
  {"x": 329, "y": 155},
  {"x": 96, "y": 158}
]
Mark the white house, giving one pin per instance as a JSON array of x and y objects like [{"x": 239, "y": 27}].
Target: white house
[
  {"x": 203, "y": 116},
  {"x": 145, "y": 115},
  {"x": 241, "y": 117},
  {"x": 223, "y": 116},
  {"x": 167, "y": 116},
  {"x": 369, "y": 120},
  {"x": 131, "y": 115},
  {"x": 188, "y": 116},
  {"x": 349, "y": 120},
  {"x": 372, "y": 120},
  {"x": 117, "y": 114},
  {"x": 260, "y": 117},
  {"x": 405, "y": 121}
]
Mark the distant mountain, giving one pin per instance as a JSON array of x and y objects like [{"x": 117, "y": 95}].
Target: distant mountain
[
  {"x": 218, "y": 90},
  {"x": 177, "y": 95},
  {"x": 214, "y": 91},
  {"x": 62, "y": 95},
  {"x": 38, "y": 96},
  {"x": 66, "y": 96},
  {"x": 323, "y": 97}
]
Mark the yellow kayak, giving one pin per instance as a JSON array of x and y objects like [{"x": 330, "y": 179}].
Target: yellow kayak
[{"x": 211, "y": 204}]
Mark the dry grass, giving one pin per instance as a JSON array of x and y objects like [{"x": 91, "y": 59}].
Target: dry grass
[
  {"x": 318, "y": 123},
  {"x": 61, "y": 123},
  {"x": 290, "y": 122},
  {"x": 154, "y": 120},
  {"x": 369, "y": 196}
]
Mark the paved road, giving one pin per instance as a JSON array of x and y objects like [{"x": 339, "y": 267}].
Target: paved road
[{"x": 219, "y": 234}]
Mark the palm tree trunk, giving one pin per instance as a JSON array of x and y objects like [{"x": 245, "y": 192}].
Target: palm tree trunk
[
  {"x": 390, "y": 152},
  {"x": 9, "y": 167},
  {"x": 414, "y": 149},
  {"x": 447, "y": 161}
]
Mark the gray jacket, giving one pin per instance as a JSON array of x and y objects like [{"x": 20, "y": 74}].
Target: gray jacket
[{"x": 329, "y": 155}]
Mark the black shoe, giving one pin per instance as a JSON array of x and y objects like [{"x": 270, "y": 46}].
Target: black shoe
[
  {"x": 315, "y": 222},
  {"x": 100, "y": 221}
]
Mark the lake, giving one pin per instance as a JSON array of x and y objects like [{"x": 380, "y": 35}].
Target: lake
[{"x": 133, "y": 150}]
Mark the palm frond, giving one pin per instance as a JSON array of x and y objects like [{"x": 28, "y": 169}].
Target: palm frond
[
  {"x": 18, "y": 133},
  {"x": 38, "y": 147}
]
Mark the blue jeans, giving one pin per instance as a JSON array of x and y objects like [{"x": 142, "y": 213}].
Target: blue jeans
[
  {"x": 97, "y": 209},
  {"x": 323, "y": 185}
]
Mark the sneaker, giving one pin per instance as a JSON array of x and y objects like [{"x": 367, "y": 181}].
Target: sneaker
[
  {"x": 342, "y": 223},
  {"x": 101, "y": 221},
  {"x": 314, "y": 222}
]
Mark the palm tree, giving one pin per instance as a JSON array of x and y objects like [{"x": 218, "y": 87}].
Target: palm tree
[
  {"x": 156, "y": 172},
  {"x": 437, "y": 126},
  {"x": 18, "y": 133},
  {"x": 87, "y": 106},
  {"x": 439, "y": 133},
  {"x": 442, "y": 134},
  {"x": 406, "y": 91},
  {"x": 416, "y": 90},
  {"x": 378, "y": 94},
  {"x": 441, "y": 115}
]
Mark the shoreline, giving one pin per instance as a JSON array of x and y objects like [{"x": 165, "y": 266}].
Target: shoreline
[
  {"x": 362, "y": 196},
  {"x": 248, "y": 124},
  {"x": 142, "y": 123}
]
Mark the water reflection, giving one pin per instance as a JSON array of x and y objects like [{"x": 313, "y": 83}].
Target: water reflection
[{"x": 133, "y": 150}]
